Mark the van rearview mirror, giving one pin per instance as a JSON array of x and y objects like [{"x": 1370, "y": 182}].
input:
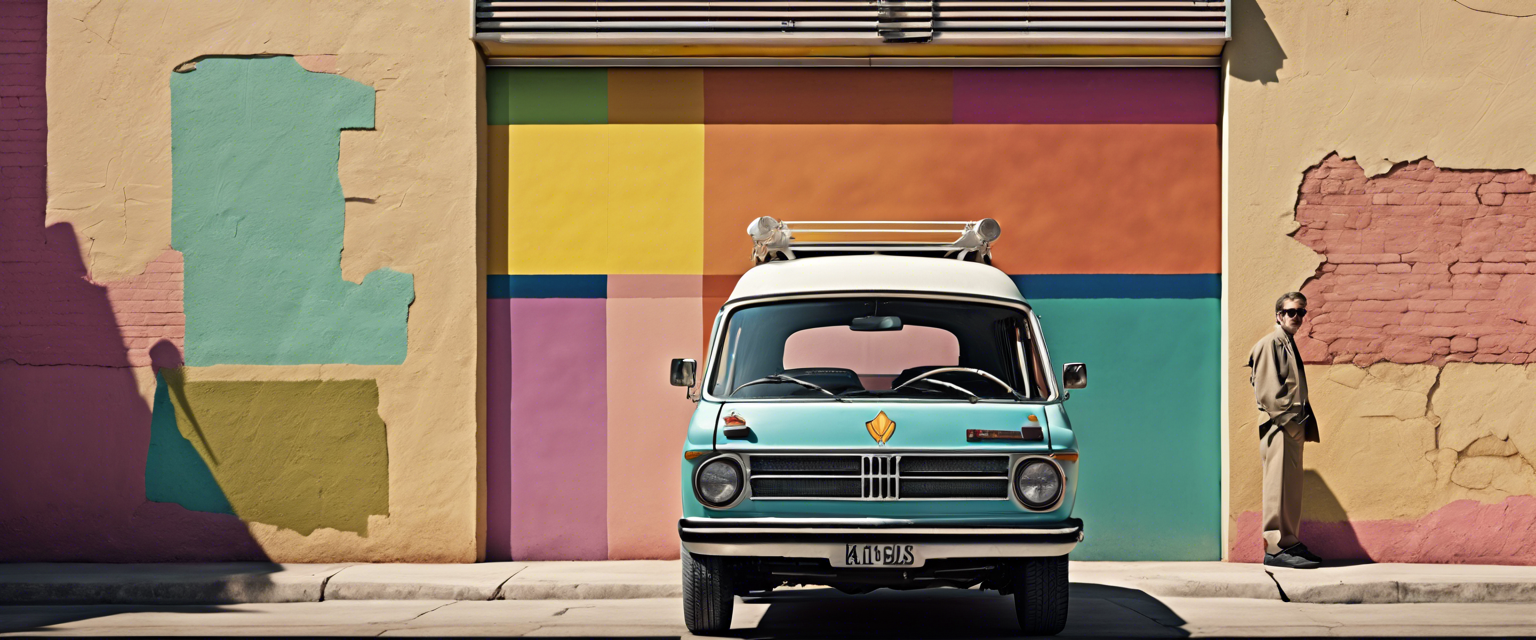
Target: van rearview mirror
[{"x": 876, "y": 323}]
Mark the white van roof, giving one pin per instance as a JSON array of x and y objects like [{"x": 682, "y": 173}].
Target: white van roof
[{"x": 875, "y": 273}]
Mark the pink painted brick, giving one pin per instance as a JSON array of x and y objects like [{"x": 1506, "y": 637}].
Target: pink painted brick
[{"x": 1437, "y": 244}]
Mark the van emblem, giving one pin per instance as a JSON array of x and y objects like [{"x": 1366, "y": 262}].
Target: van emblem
[{"x": 881, "y": 428}]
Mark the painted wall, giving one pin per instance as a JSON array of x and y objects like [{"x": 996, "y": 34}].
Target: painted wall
[
  {"x": 1383, "y": 169},
  {"x": 239, "y": 311},
  {"x": 619, "y": 202}
]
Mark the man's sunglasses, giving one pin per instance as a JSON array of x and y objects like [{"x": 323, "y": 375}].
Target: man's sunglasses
[{"x": 1294, "y": 313}]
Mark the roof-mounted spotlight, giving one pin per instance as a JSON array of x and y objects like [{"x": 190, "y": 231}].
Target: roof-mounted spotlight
[
  {"x": 769, "y": 236},
  {"x": 989, "y": 230}
]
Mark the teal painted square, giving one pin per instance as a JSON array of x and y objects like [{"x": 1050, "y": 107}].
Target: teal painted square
[
  {"x": 173, "y": 470},
  {"x": 1149, "y": 424},
  {"x": 547, "y": 96}
]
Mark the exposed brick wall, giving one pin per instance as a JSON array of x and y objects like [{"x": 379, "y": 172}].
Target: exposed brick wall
[
  {"x": 50, "y": 311},
  {"x": 149, "y": 309},
  {"x": 1424, "y": 265}
]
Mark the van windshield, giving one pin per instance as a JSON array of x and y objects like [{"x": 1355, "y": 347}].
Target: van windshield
[{"x": 850, "y": 348}]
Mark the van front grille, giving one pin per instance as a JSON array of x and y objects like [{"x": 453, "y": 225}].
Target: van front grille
[{"x": 878, "y": 477}]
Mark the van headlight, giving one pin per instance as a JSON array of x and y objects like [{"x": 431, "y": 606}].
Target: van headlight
[
  {"x": 1037, "y": 483},
  {"x": 718, "y": 481}
]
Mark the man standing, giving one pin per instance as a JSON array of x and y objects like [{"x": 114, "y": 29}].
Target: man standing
[{"x": 1285, "y": 422}]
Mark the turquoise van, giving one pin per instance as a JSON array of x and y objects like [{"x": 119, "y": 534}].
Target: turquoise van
[{"x": 877, "y": 409}]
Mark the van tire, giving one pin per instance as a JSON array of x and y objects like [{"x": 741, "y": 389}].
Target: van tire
[
  {"x": 1040, "y": 595},
  {"x": 708, "y": 596}
]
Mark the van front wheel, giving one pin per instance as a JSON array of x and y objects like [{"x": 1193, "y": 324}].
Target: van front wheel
[
  {"x": 1040, "y": 595},
  {"x": 707, "y": 594}
]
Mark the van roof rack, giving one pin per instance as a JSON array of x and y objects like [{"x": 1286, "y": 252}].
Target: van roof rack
[{"x": 774, "y": 239}]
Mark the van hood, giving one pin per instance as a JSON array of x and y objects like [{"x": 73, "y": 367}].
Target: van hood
[{"x": 858, "y": 425}]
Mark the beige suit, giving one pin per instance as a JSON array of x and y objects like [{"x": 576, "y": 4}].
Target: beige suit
[{"x": 1285, "y": 422}]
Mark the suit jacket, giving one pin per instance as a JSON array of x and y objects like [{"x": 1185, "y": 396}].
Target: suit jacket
[{"x": 1280, "y": 385}]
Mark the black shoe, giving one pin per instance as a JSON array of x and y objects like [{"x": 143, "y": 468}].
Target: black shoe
[
  {"x": 1289, "y": 561},
  {"x": 1302, "y": 550}
]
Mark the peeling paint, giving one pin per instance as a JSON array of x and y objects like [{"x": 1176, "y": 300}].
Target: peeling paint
[
  {"x": 109, "y": 170},
  {"x": 259, "y": 216},
  {"x": 1407, "y": 449}
]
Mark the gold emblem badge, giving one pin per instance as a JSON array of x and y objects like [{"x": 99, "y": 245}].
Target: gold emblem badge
[{"x": 881, "y": 428}]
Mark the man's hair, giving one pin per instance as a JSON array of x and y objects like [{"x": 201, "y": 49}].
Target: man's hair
[{"x": 1294, "y": 295}]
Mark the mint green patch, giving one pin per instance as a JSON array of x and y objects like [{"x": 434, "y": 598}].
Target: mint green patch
[
  {"x": 257, "y": 213},
  {"x": 173, "y": 471},
  {"x": 547, "y": 96},
  {"x": 1149, "y": 424}
]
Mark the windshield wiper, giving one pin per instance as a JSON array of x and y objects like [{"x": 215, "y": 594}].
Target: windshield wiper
[
  {"x": 923, "y": 377},
  {"x": 779, "y": 377},
  {"x": 973, "y": 397}
]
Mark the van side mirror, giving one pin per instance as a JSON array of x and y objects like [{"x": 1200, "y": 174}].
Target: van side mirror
[
  {"x": 1074, "y": 375},
  {"x": 683, "y": 372}
]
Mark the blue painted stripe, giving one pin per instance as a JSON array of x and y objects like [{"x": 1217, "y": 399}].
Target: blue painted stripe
[
  {"x": 1124, "y": 286},
  {"x": 585, "y": 286}
]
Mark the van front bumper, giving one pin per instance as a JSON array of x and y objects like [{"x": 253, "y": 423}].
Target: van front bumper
[{"x": 829, "y": 537}]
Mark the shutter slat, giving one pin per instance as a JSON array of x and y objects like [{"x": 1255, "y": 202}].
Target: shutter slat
[{"x": 763, "y": 21}]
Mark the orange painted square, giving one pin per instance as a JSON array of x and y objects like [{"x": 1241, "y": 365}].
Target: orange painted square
[{"x": 1128, "y": 199}]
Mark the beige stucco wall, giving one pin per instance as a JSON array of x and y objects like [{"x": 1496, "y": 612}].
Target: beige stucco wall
[
  {"x": 1381, "y": 81},
  {"x": 415, "y": 180}
]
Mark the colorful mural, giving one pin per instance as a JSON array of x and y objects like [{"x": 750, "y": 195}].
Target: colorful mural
[{"x": 619, "y": 203}]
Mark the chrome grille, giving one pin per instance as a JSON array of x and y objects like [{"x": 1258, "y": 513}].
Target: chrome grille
[
  {"x": 951, "y": 488},
  {"x": 876, "y": 476}
]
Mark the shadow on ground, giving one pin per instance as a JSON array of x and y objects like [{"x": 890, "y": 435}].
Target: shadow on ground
[{"x": 1095, "y": 610}]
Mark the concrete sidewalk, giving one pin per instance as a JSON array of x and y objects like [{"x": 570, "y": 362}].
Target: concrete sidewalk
[{"x": 217, "y": 583}]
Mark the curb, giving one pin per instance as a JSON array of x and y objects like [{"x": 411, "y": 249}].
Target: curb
[{"x": 229, "y": 583}]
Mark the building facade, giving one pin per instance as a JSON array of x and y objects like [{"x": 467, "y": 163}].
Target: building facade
[{"x": 399, "y": 281}]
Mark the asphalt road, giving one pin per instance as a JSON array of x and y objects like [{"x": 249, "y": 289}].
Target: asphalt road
[{"x": 1097, "y": 611}]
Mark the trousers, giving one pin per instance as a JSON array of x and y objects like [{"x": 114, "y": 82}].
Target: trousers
[{"x": 1281, "y": 454}]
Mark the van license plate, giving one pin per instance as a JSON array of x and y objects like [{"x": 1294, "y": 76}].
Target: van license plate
[{"x": 879, "y": 555}]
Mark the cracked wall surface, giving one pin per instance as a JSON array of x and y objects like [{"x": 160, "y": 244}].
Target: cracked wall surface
[
  {"x": 92, "y": 231},
  {"x": 1425, "y": 452}
]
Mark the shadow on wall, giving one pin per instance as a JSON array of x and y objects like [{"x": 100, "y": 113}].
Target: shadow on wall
[
  {"x": 1254, "y": 53},
  {"x": 1327, "y": 529},
  {"x": 77, "y": 429}
]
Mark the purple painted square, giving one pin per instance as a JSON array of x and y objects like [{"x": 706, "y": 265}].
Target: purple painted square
[
  {"x": 1076, "y": 95},
  {"x": 546, "y": 437}
]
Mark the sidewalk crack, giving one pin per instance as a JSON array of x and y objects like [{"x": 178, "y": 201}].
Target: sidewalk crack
[
  {"x": 496, "y": 595},
  {"x": 327, "y": 581},
  {"x": 1283, "y": 597},
  {"x": 412, "y": 619}
]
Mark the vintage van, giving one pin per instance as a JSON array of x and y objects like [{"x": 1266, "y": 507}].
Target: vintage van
[{"x": 877, "y": 409}]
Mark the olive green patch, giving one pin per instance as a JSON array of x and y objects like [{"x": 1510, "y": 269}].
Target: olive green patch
[{"x": 297, "y": 455}]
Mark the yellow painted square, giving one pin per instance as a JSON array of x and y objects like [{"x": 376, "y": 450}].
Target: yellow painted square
[
  {"x": 496, "y": 157},
  {"x": 598, "y": 199}
]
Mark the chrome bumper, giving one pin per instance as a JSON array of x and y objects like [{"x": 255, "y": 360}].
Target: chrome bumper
[{"x": 823, "y": 537}]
